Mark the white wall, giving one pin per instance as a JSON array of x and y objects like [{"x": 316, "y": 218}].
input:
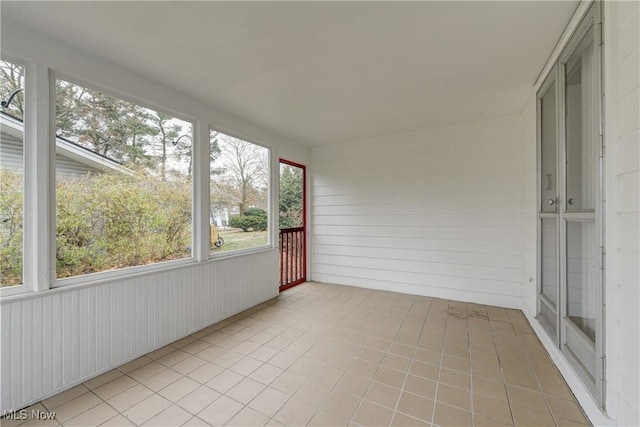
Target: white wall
[
  {"x": 622, "y": 139},
  {"x": 437, "y": 212},
  {"x": 56, "y": 338}
]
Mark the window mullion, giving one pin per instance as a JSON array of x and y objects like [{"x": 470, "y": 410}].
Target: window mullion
[
  {"x": 201, "y": 191},
  {"x": 39, "y": 183}
]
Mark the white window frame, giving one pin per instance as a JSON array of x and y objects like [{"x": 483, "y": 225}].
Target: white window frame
[
  {"x": 127, "y": 271},
  {"x": 270, "y": 197}
]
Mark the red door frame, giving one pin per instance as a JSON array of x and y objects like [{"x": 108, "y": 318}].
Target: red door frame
[{"x": 304, "y": 222}]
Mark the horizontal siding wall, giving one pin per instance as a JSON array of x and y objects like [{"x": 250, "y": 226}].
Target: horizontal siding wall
[
  {"x": 622, "y": 124},
  {"x": 434, "y": 213},
  {"x": 56, "y": 339}
]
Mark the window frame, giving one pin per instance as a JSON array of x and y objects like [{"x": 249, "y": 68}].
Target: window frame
[
  {"x": 27, "y": 261},
  {"x": 270, "y": 194},
  {"x": 125, "y": 272}
]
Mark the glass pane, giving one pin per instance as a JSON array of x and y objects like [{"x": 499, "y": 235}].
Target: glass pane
[
  {"x": 581, "y": 276},
  {"x": 549, "y": 245},
  {"x": 291, "y": 182},
  {"x": 123, "y": 183},
  {"x": 11, "y": 173},
  {"x": 238, "y": 214},
  {"x": 580, "y": 129},
  {"x": 548, "y": 191}
]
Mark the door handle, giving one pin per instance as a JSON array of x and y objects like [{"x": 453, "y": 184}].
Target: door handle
[
  {"x": 553, "y": 202},
  {"x": 570, "y": 201}
]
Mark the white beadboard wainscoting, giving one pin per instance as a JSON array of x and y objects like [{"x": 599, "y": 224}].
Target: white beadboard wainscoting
[
  {"x": 436, "y": 212},
  {"x": 56, "y": 339}
]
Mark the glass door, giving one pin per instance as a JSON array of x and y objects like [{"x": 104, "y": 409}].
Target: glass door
[{"x": 570, "y": 237}]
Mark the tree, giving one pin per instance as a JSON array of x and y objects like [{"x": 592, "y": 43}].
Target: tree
[
  {"x": 290, "y": 205},
  {"x": 245, "y": 167},
  {"x": 12, "y": 79}
]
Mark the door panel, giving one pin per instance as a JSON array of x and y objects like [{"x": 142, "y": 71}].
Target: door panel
[
  {"x": 548, "y": 150},
  {"x": 570, "y": 233}
]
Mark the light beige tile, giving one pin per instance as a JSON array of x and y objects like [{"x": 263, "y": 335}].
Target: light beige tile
[
  {"x": 415, "y": 406},
  {"x": 245, "y": 390},
  {"x": 172, "y": 416},
  {"x": 398, "y": 363},
  {"x": 424, "y": 370},
  {"x": 134, "y": 364},
  {"x": 161, "y": 352},
  {"x": 372, "y": 414},
  {"x": 402, "y": 420},
  {"x": 263, "y": 353},
  {"x": 383, "y": 394},
  {"x": 248, "y": 417},
  {"x": 454, "y": 397},
  {"x": 521, "y": 380},
  {"x": 100, "y": 380},
  {"x": 269, "y": 401},
  {"x": 76, "y": 406},
  {"x": 246, "y": 347},
  {"x": 390, "y": 377},
  {"x": 420, "y": 386},
  {"x": 179, "y": 389},
  {"x": 129, "y": 397},
  {"x": 529, "y": 417},
  {"x": 117, "y": 421},
  {"x": 295, "y": 413},
  {"x": 246, "y": 366},
  {"x": 224, "y": 381},
  {"x": 211, "y": 353},
  {"x": 283, "y": 360},
  {"x": 446, "y": 415},
  {"x": 266, "y": 373},
  {"x": 205, "y": 373},
  {"x": 146, "y": 409},
  {"x": 567, "y": 409},
  {"x": 527, "y": 398},
  {"x": 288, "y": 382},
  {"x": 495, "y": 409},
  {"x": 353, "y": 384},
  {"x": 324, "y": 418},
  {"x": 57, "y": 400},
  {"x": 228, "y": 359},
  {"x": 312, "y": 392},
  {"x": 147, "y": 371},
  {"x": 93, "y": 417},
  {"x": 188, "y": 365},
  {"x": 341, "y": 404},
  {"x": 161, "y": 380},
  {"x": 220, "y": 411},
  {"x": 198, "y": 399},
  {"x": 455, "y": 379},
  {"x": 195, "y": 347}
]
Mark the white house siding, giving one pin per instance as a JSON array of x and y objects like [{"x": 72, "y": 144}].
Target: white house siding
[
  {"x": 11, "y": 158},
  {"x": 59, "y": 338},
  {"x": 622, "y": 137},
  {"x": 437, "y": 212}
]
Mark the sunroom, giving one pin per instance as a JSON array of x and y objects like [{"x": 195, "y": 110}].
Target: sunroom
[{"x": 320, "y": 213}]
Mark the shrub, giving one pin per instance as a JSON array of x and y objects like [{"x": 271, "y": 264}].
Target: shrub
[
  {"x": 254, "y": 219},
  {"x": 109, "y": 221},
  {"x": 10, "y": 228}
]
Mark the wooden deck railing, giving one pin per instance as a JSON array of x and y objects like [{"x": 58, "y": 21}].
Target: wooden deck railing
[{"x": 293, "y": 263}]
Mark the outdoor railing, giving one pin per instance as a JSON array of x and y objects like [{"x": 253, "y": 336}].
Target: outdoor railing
[{"x": 292, "y": 256}]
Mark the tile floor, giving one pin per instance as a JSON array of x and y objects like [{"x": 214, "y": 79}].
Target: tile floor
[{"x": 335, "y": 355}]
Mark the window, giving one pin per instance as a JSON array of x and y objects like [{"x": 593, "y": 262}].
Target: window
[
  {"x": 123, "y": 183},
  {"x": 11, "y": 173},
  {"x": 239, "y": 176}
]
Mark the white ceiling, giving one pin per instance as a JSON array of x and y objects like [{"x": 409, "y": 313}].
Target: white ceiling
[{"x": 324, "y": 72}]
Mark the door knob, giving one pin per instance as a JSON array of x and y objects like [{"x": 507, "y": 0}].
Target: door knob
[
  {"x": 552, "y": 202},
  {"x": 570, "y": 201}
]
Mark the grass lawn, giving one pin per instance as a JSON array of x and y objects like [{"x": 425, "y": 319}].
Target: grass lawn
[{"x": 234, "y": 240}]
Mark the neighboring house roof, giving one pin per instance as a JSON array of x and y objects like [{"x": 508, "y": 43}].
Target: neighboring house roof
[{"x": 13, "y": 127}]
